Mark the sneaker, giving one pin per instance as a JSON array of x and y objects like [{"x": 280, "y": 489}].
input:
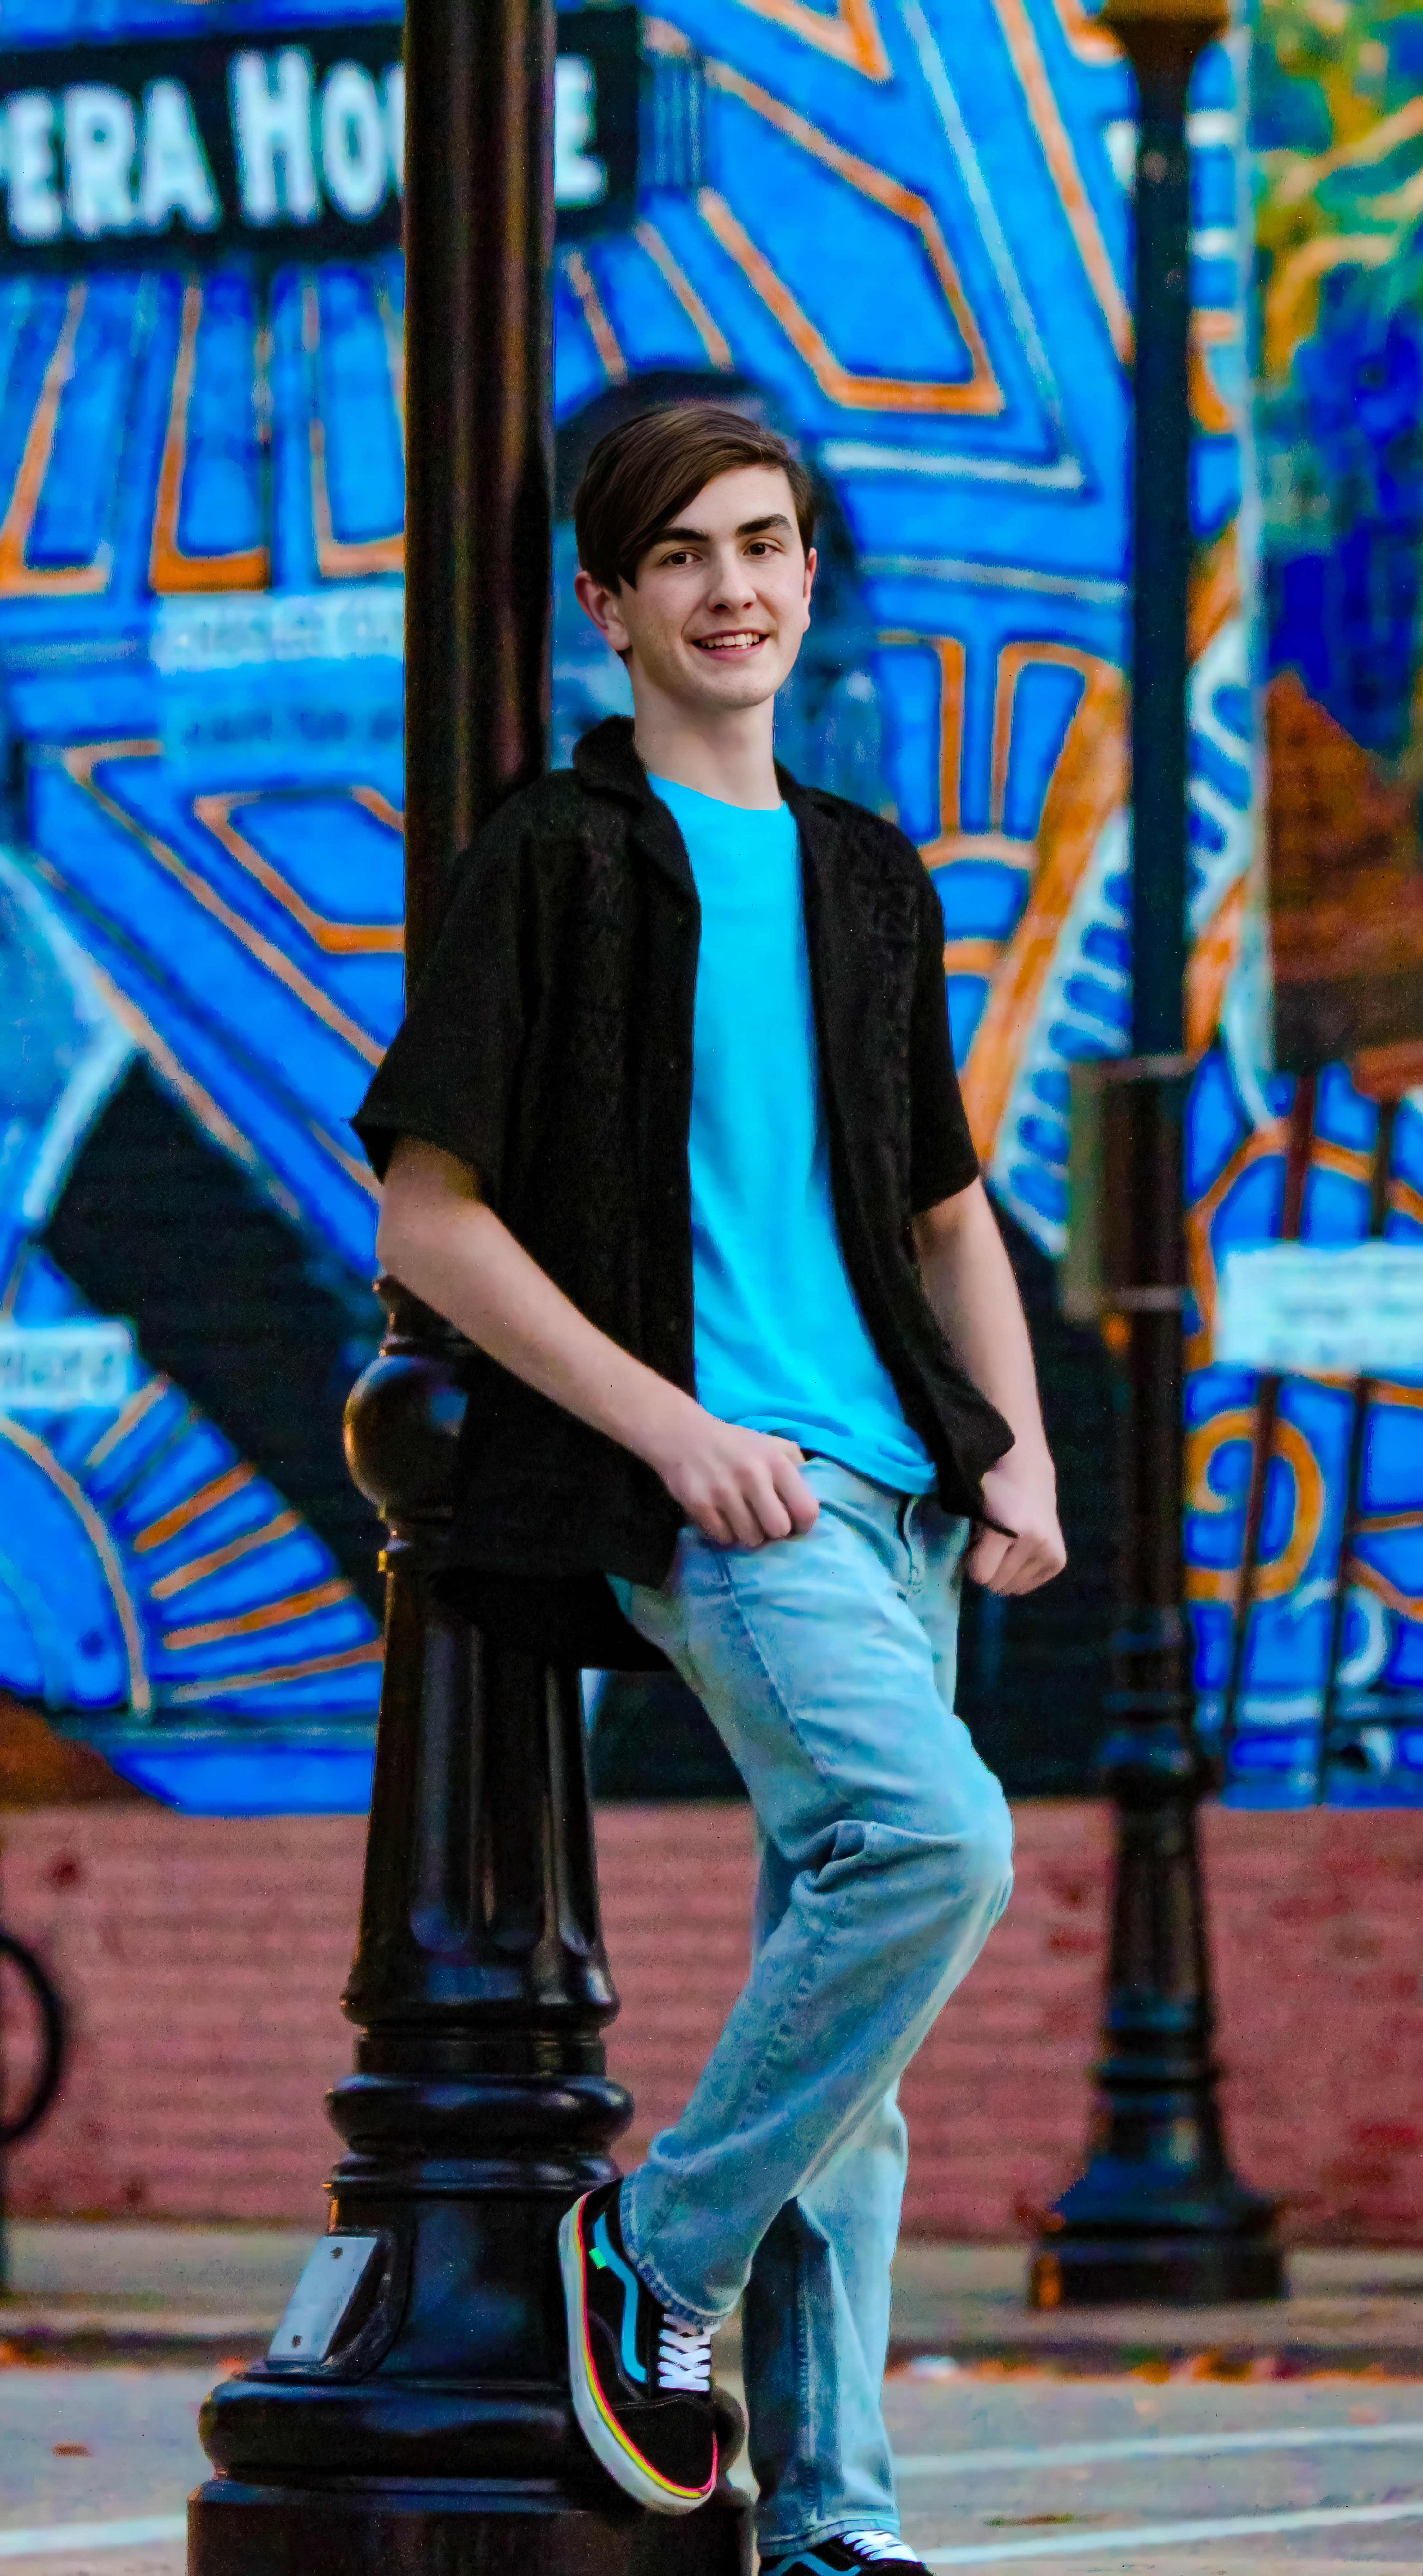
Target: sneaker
[
  {"x": 849, "y": 2550},
  {"x": 641, "y": 2385}
]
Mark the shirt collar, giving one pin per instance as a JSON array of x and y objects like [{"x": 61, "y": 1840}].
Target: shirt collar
[{"x": 606, "y": 762}]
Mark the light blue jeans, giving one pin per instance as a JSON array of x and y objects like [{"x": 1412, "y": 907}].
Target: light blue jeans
[{"x": 826, "y": 1664}]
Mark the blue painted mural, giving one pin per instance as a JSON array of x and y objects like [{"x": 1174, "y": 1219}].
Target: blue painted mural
[{"x": 899, "y": 227}]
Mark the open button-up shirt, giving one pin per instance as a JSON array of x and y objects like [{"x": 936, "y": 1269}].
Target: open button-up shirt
[{"x": 549, "y": 1048}]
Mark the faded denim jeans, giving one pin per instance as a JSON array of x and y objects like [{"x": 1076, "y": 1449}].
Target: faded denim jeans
[{"x": 826, "y": 1664}]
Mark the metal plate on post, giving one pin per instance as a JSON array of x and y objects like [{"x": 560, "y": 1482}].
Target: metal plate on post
[{"x": 321, "y": 2299}]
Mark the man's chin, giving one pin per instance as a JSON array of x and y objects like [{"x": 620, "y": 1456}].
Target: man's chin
[{"x": 730, "y": 692}]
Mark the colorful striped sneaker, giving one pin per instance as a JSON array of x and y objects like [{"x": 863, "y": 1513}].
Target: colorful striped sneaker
[
  {"x": 852, "y": 2550},
  {"x": 641, "y": 2385}
]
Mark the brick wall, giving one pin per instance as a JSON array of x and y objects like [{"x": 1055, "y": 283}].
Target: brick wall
[{"x": 201, "y": 1961}]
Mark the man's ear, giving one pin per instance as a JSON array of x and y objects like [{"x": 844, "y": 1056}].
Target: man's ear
[
  {"x": 604, "y": 606},
  {"x": 811, "y": 562}
]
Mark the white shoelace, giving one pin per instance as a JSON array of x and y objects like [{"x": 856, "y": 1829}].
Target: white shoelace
[
  {"x": 877, "y": 2546},
  {"x": 683, "y": 2358}
]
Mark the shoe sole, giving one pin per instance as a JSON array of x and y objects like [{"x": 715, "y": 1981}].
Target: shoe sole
[{"x": 625, "y": 2465}]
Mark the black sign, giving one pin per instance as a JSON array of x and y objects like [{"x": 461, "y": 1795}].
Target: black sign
[
  {"x": 597, "y": 110},
  {"x": 290, "y": 147}
]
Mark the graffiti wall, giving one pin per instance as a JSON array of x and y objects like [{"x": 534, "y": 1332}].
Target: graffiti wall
[
  {"x": 1334, "y": 1544},
  {"x": 900, "y": 228}
]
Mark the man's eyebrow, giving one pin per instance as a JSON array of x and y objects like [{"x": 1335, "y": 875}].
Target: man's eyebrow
[{"x": 699, "y": 537}]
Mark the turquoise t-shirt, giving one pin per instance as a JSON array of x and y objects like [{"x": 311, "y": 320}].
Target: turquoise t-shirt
[{"x": 781, "y": 1344}]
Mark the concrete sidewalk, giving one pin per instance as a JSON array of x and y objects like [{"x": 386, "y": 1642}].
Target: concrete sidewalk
[{"x": 90, "y": 2293}]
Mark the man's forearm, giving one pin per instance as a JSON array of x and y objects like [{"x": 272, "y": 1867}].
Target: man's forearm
[
  {"x": 440, "y": 1239},
  {"x": 968, "y": 1280},
  {"x": 455, "y": 1253}
]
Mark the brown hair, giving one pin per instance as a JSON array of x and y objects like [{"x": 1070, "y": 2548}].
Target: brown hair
[{"x": 643, "y": 472}]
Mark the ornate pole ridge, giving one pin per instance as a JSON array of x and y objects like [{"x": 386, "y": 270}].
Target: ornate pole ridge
[{"x": 1157, "y": 2214}]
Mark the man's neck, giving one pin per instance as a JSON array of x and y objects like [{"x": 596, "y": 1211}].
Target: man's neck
[{"x": 727, "y": 756}]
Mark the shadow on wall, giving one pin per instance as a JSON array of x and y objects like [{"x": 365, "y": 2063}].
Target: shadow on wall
[{"x": 1032, "y": 1672}]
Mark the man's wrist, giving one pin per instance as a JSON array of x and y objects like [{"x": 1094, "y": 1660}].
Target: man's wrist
[
  {"x": 660, "y": 1425},
  {"x": 1028, "y": 1461}
]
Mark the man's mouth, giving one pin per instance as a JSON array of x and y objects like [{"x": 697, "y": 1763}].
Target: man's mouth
[{"x": 741, "y": 639}]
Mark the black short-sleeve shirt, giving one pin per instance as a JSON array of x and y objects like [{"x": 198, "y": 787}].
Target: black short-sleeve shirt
[{"x": 548, "y": 1046}]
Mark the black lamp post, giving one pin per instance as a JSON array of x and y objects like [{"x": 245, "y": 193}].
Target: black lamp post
[
  {"x": 430, "y": 2427},
  {"x": 1158, "y": 2214}
]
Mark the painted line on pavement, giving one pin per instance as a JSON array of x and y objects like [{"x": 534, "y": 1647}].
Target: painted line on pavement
[
  {"x": 1174, "y": 2535},
  {"x": 1163, "y": 2446},
  {"x": 50, "y": 2539}
]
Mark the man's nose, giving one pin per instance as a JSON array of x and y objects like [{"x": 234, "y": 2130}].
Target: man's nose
[{"x": 732, "y": 584}]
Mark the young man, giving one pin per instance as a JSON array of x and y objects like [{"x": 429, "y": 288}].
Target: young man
[{"x": 672, "y": 1133}]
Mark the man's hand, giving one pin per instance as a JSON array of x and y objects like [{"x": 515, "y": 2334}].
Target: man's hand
[
  {"x": 438, "y": 1237},
  {"x": 740, "y": 1487},
  {"x": 1021, "y": 1492}
]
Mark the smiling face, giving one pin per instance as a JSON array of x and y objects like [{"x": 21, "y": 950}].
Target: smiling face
[{"x": 715, "y": 618}]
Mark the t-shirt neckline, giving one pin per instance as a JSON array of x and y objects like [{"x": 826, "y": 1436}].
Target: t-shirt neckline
[{"x": 765, "y": 813}]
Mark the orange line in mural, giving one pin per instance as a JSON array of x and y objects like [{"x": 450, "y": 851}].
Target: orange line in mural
[
  {"x": 1291, "y": 308},
  {"x": 194, "y": 1507},
  {"x": 195, "y": 1098},
  {"x": 951, "y": 843},
  {"x": 1275, "y": 1575},
  {"x": 981, "y": 397},
  {"x": 82, "y": 762},
  {"x": 1200, "y": 1250},
  {"x": 337, "y": 559},
  {"x": 972, "y": 956},
  {"x": 218, "y": 1558},
  {"x": 1087, "y": 40},
  {"x": 171, "y": 571},
  {"x": 127, "y": 1419},
  {"x": 1013, "y": 661},
  {"x": 20, "y": 579},
  {"x": 96, "y": 1532},
  {"x": 354, "y": 1166},
  {"x": 379, "y": 806},
  {"x": 1409, "y": 1605},
  {"x": 1296, "y": 182},
  {"x": 334, "y": 938},
  {"x": 712, "y": 337},
  {"x": 852, "y": 36},
  {"x": 1211, "y": 963},
  {"x": 1349, "y": 1161},
  {"x": 268, "y": 1614},
  {"x": 948, "y": 650},
  {"x": 1209, "y": 409},
  {"x": 1026, "y": 58},
  {"x": 604, "y": 338},
  {"x": 1088, "y": 784},
  {"x": 227, "y": 1685}
]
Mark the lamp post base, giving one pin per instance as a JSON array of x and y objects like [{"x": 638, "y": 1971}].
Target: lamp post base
[
  {"x": 1207, "y": 2271},
  {"x": 401, "y": 2527}
]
